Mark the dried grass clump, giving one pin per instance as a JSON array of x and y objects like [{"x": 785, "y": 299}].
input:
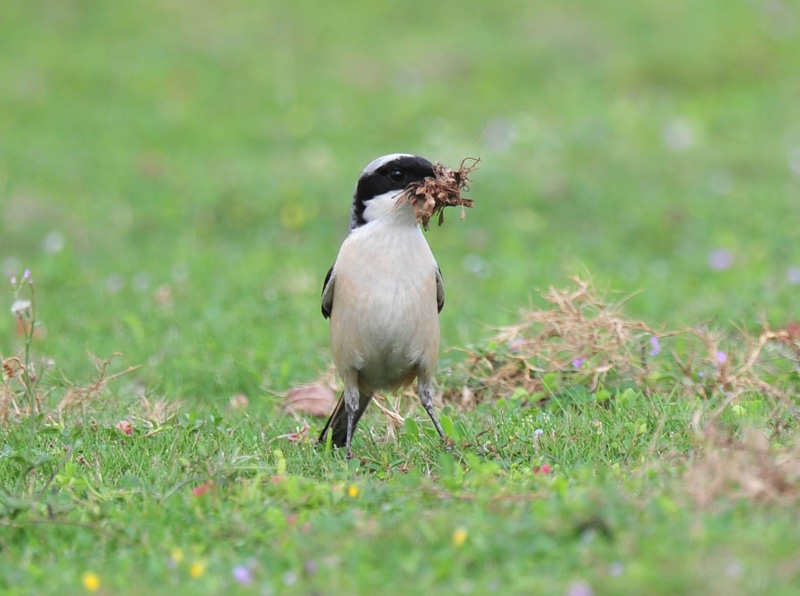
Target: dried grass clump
[
  {"x": 430, "y": 197},
  {"x": 154, "y": 413},
  {"x": 750, "y": 469},
  {"x": 78, "y": 397},
  {"x": 581, "y": 338},
  {"x": 14, "y": 389},
  {"x": 22, "y": 394},
  {"x": 580, "y": 333}
]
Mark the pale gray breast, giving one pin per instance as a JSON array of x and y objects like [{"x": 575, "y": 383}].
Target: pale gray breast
[{"x": 387, "y": 278}]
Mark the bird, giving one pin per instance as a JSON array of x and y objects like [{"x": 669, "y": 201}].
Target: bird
[{"x": 383, "y": 296}]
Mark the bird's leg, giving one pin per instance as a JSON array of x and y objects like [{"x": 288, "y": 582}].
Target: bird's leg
[
  {"x": 425, "y": 389},
  {"x": 351, "y": 399}
]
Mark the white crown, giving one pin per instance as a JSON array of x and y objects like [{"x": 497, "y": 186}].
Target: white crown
[{"x": 376, "y": 163}]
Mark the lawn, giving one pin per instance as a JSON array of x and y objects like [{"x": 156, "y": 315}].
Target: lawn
[{"x": 177, "y": 178}]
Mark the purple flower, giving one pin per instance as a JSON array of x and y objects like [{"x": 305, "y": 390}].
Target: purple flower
[
  {"x": 242, "y": 575},
  {"x": 720, "y": 259},
  {"x": 793, "y": 275},
  {"x": 578, "y": 362},
  {"x": 721, "y": 357},
  {"x": 26, "y": 275},
  {"x": 655, "y": 346},
  {"x": 579, "y": 588},
  {"x": 516, "y": 344}
]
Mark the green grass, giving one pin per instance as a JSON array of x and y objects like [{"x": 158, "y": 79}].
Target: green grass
[
  {"x": 612, "y": 510},
  {"x": 178, "y": 177}
]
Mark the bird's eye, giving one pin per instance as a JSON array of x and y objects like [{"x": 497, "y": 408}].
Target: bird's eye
[{"x": 396, "y": 175}]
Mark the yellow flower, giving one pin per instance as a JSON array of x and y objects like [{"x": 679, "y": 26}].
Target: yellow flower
[
  {"x": 352, "y": 491},
  {"x": 91, "y": 581},
  {"x": 292, "y": 216},
  {"x": 176, "y": 554},
  {"x": 459, "y": 536},
  {"x": 197, "y": 568}
]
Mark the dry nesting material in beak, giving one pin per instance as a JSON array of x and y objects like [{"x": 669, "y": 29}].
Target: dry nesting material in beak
[{"x": 432, "y": 195}]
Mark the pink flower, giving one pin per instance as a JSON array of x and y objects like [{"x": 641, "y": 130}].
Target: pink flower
[
  {"x": 199, "y": 491},
  {"x": 125, "y": 427}
]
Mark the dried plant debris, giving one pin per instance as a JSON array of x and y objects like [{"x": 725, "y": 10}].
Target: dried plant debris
[
  {"x": 22, "y": 395},
  {"x": 315, "y": 400},
  {"x": 580, "y": 338},
  {"x": 153, "y": 413},
  {"x": 430, "y": 197},
  {"x": 749, "y": 468}
]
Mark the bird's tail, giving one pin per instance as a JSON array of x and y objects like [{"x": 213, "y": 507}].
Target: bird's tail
[{"x": 337, "y": 423}]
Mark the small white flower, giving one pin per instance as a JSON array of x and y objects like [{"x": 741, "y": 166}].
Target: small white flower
[
  {"x": 114, "y": 283},
  {"x": 500, "y": 134},
  {"x": 678, "y": 134},
  {"x": 477, "y": 265},
  {"x": 616, "y": 568},
  {"x": 21, "y": 308},
  {"x": 54, "y": 242},
  {"x": 794, "y": 161},
  {"x": 289, "y": 578},
  {"x": 141, "y": 281}
]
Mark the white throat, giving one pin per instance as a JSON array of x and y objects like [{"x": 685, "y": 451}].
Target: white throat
[{"x": 385, "y": 208}]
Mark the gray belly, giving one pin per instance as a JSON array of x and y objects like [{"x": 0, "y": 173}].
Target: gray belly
[{"x": 393, "y": 337}]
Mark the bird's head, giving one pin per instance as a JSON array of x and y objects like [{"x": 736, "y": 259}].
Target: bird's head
[{"x": 381, "y": 182}]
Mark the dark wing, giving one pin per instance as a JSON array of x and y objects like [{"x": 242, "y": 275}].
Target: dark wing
[
  {"x": 439, "y": 289},
  {"x": 327, "y": 294}
]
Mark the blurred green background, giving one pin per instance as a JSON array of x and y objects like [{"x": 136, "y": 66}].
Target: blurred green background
[{"x": 178, "y": 175}]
